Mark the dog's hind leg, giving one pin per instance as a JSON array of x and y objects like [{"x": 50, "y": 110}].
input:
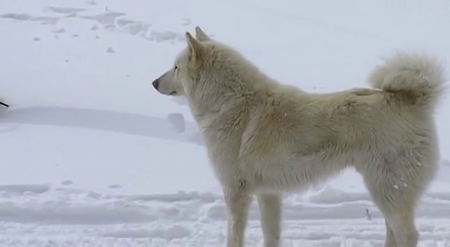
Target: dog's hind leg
[
  {"x": 396, "y": 187},
  {"x": 398, "y": 209},
  {"x": 237, "y": 200},
  {"x": 390, "y": 238},
  {"x": 403, "y": 227},
  {"x": 270, "y": 208}
]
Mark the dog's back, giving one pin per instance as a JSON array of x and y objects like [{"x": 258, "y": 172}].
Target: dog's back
[{"x": 361, "y": 127}]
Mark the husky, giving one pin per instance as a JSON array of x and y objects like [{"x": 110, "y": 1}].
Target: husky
[{"x": 265, "y": 138}]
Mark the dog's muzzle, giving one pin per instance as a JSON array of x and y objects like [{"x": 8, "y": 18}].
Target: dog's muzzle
[{"x": 155, "y": 84}]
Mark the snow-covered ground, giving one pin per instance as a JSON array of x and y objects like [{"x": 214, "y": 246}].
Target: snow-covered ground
[{"x": 92, "y": 155}]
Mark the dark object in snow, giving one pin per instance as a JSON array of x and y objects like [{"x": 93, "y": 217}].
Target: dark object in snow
[{"x": 4, "y": 104}]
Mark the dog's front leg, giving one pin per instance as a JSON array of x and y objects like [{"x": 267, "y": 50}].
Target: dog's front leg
[
  {"x": 270, "y": 209},
  {"x": 237, "y": 200}
]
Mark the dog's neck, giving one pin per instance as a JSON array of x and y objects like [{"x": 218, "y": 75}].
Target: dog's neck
[
  {"x": 215, "y": 98},
  {"x": 207, "y": 104}
]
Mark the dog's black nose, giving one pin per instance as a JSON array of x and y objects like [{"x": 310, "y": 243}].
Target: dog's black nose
[{"x": 155, "y": 83}]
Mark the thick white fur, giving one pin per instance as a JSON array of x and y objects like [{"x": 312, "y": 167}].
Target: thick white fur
[{"x": 266, "y": 138}]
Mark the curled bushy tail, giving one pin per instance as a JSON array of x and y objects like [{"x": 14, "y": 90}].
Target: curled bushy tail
[{"x": 416, "y": 79}]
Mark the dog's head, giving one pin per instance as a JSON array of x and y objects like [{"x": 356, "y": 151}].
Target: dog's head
[{"x": 177, "y": 79}]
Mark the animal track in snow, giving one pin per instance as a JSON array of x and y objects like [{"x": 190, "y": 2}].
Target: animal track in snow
[
  {"x": 186, "y": 22},
  {"x": 114, "y": 186},
  {"x": 65, "y": 10},
  {"x": 90, "y": 2},
  {"x": 59, "y": 30},
  {"x": 164, "y": 36},
  {"x": 67, "y": 182},
  {"x": 109, "y": 21},
  {"x": 19, "y": 17},
  {"x": 26, "y": 17},
  {"x": 104, "y": 19}
]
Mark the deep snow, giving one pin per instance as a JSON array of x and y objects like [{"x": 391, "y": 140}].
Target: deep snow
[{"x": 92, "y": 155}]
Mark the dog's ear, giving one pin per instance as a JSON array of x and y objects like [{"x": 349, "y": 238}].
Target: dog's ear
[
  {"x": 200, "y": 35},
  {"x": 194, "y": 45}
]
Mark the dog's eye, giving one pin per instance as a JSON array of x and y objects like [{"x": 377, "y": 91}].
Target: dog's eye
[{"x": 175, "y": 68}]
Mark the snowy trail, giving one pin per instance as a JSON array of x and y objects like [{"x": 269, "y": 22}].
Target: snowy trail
[{"x": 105, "y": 120}]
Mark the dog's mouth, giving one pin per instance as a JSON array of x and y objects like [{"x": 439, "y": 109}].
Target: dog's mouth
[
  {"x": 172, "y": 93},
  {"x": 4, "y": 104}
]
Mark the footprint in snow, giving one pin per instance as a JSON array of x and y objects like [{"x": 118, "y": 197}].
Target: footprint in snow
[
  {"x": 67, "y": 182},
  {"x": 65, "y": 10},
  {"x": 186, "y": 22},
  {"x": 90, "y": 2},
  {"x": 58, "y": 30},
  {"x": 115, "y": 186}
]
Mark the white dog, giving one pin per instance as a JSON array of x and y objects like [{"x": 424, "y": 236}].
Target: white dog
[{"x": 266, "y": 138}]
